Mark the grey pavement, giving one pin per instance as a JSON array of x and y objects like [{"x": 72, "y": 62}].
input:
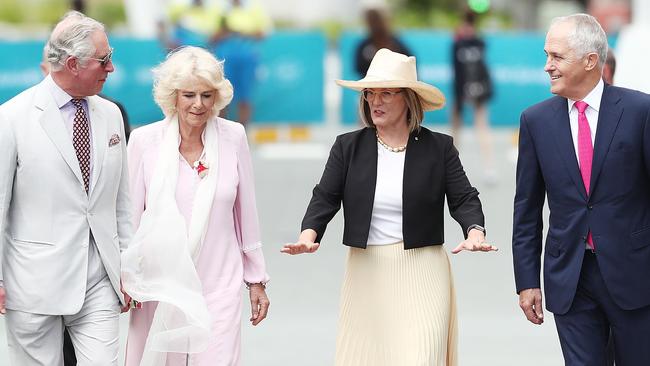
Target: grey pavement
[{"x": 304, "y": 290}]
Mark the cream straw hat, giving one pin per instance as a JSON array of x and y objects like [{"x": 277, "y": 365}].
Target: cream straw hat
[{"x": 390, "y": 69}]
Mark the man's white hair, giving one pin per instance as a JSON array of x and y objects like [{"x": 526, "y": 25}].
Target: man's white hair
[
  {"x": 72, "y": 37},
  {"x": 586, "y": 37}
]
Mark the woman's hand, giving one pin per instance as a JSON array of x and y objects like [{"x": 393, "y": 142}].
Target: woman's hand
[
  {"x": 475, "y": 242},
  {"x": 300, "y": 247},
  {"x": 259, "y": 303},
  {"x": 305, "y": 243}
]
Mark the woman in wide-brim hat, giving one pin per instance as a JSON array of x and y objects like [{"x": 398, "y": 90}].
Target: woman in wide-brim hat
[{"x": 397, "y": 300}]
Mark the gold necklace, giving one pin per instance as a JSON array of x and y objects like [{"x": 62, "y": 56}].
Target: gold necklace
[{"x": 388, "y": 147}]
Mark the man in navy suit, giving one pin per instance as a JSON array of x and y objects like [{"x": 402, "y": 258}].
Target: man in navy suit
[{"x": 588, "y": 150}]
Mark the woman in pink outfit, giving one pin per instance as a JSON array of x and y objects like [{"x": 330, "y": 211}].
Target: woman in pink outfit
[{"x": 198, "y": 237}]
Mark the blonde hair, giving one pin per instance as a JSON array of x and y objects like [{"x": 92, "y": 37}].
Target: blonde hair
[
  {"x": 181, "y": 70},
  {"x": 414, "y": 115}
]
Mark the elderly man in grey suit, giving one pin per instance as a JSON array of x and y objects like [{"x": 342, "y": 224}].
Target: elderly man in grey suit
[{"x": 64, "y": 205}]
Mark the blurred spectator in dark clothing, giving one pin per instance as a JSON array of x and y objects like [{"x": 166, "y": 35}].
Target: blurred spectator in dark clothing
[
  {"x": 125, "y": 116},
  {"x": 472, "y": 85},
  {"x": 379, "y": 36},
  {"x": 610, "y": 68}
]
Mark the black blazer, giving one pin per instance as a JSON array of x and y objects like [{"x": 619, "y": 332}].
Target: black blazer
[{"x": 432, "y": 171}]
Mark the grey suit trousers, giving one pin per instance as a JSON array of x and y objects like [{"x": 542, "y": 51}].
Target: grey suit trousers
[{"x": 37, "y": 339}]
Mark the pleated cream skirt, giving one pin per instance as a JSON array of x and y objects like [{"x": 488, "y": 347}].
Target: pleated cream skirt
[{"x": 398, "y": 308}]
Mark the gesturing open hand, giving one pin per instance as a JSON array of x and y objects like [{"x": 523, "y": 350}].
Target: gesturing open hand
[
  {"x": 475, "y": 242},
  {"x": 300, "y": 247}
]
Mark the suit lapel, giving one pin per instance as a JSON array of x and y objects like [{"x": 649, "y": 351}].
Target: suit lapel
[
  {"x": 563, "y": 138},
  {"x": 608, "y": 118},
  {"x": 54, "y": 126},
  {"x": 100, "y": 140},
  {"x": 364, "y": 172},
  {"x": 415, "y": 161}
]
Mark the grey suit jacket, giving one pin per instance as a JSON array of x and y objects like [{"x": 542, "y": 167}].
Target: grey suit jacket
[{"x": 46, "y": 215}]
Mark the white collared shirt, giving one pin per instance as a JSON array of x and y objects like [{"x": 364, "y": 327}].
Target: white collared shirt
[
  {"x": 63, "y": 101},
  {"x": 592, "y": 112}
]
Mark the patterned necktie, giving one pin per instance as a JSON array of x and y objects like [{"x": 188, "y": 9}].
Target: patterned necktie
[
  {"x": 81, "y": 141},
  {"x": 585, "y": 152}
]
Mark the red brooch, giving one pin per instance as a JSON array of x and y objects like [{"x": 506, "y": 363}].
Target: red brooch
[{"x": 201, "y": 168}]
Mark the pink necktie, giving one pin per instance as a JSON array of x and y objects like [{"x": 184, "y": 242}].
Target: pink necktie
[
  {"x": 81, "y": 140},
  {"x": 585, "y": 152}
]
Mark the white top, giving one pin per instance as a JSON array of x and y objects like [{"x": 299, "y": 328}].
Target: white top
[
  {"x": 386, "y": 221},
  {"x": 593, "y": 100}
]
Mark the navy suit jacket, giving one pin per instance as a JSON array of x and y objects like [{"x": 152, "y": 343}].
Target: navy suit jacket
[{"x": 617, "y": 210}]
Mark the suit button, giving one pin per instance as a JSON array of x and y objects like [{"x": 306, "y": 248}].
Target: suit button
[
  {"x": 584, "y": 238},
  {"x": 590, "y": 207}
]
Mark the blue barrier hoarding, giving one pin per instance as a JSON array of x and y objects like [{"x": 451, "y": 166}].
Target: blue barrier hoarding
[
  {"x": 289, "y": 89},
  {"x": 515, "y": 61},
  {"x": 291, "y": 77},
  {"x": 291, "y": 74}
]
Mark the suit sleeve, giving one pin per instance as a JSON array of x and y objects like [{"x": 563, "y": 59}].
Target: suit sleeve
[
  {"x": 8, "y": 164},
  {"x": 136, "y": 177},
  {"x": 245, "y": 214},
  {"x": 123, "y": 207},
  {"x": 328, "y": 193},
  {"x": 462, "y": 199},
  {"x": 528, "y": 205}
]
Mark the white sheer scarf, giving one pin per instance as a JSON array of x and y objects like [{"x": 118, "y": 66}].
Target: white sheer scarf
[{"x": 159, "y": 264}]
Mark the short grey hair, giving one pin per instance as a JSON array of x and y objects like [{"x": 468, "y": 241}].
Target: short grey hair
[
  {"x": 587, "y": 36},
  {"x": 72, "y": 36},
  {"x": 181, "y": 70}
]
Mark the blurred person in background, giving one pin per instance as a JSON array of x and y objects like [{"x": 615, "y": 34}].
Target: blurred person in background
[
  {"x": 64, "y": 204},
  {"x": 379, "y": 36},
  {"x": 588, "y": 150},
  {"x": 197, "y": 239},
  {"x": 245, "y": 24},
  {"x": 190, "y": 24},
  {"x": 472, "y": 85},
  {"x": 398, "y": 304},
  {"x": 610, "y": 67}
]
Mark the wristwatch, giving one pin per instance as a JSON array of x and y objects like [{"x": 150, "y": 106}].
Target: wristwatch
[{"x": 477, "y": 227}]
